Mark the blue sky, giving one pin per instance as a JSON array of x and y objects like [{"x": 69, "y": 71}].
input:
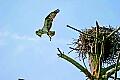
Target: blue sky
[{"x": 25, "y": 55}]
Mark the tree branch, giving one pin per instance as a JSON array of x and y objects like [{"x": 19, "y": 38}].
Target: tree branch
[
  {"x": 112, "y": 72},
  {"x": 113, "y": 78},
  {"x": 82, "y": 32},
  {"x": 113, "y": 32},
  {"x": 80, "y": 67},
  {"x": 116, "y": 66},
  {"x": 110, "y": 67},
  {"x": 75, "y": 29}
]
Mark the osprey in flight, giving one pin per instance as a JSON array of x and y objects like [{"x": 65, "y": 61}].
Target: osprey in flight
[{"x": 47, "y": 25}]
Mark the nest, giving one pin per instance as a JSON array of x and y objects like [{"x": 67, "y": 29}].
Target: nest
[{"x": 86, "y": 44}]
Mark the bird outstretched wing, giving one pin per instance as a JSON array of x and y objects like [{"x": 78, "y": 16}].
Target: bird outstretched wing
[{"x": 48, "y": 24}]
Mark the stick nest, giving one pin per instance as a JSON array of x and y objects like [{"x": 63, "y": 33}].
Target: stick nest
[{"x": 85, "y": 44}]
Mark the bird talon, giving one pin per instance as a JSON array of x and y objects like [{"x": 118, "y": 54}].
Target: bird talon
[{"x": 50, "y": 37}]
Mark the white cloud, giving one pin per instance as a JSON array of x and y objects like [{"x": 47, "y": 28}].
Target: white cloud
[
  {"x": 8, "y": 37},
  {"x": 28, "y": 38},
  {"x": 16, "y": 36}
]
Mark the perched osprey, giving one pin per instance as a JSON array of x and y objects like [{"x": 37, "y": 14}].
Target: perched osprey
[{"x": 47, "y": 25}]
